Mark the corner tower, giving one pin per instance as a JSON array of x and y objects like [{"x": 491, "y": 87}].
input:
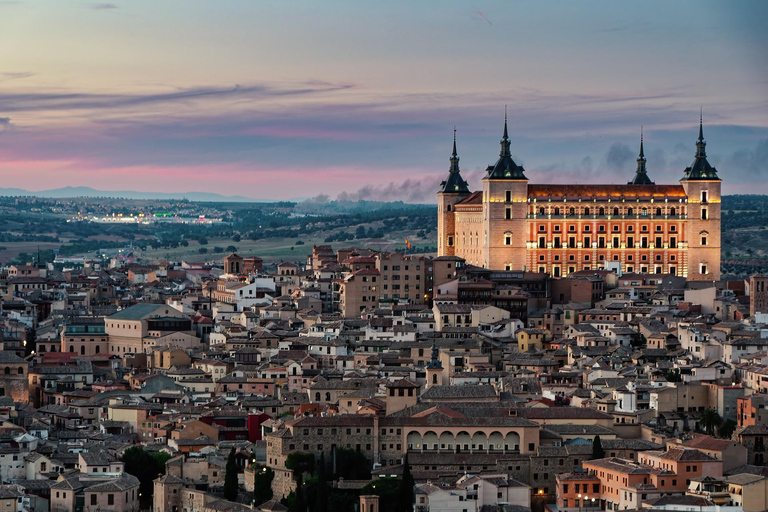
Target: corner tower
[
  {"x": 505, "y": 208},
  {"x": 702, "y": 228},
  {"x": 452, "y": 190}
]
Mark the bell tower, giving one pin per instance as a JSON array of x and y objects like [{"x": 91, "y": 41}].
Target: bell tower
[{"x": 702, "y": 227}]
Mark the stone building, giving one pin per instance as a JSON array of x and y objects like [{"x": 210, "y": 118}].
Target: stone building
[{"x": 564, "y": 228}]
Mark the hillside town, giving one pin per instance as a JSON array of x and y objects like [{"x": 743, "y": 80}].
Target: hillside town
[{"x": 372, "y": 381}]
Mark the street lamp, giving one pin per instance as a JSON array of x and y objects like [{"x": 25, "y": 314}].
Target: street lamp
[
  {"x": 586, "y": 501},
  {"x": 579, "y": 503},
  {"x": 593, "y": 502}
]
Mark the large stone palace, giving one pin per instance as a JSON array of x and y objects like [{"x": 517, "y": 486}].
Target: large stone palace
[{"x": 562, "y": 228}]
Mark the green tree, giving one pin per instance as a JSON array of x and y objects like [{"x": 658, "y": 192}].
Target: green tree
[
  {"x": 321, "y": 494},
  {"x": 300, "y": 505},
  {"x": 389, "y": 492},
  {"x": 262, "y": 485},
  {"x": 405, "y": 498},
  {"x": 726, "y": 431},
  {"x": 597, "y": 449},
  {"x": 352, "y": 465},
  {"x": 230, "y": 478},
  {"x": 146, "y": 467},
  {"x": 710, "y": 420}
]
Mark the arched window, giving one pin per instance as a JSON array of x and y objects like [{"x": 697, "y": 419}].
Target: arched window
[
  {"x": 434, "y": 378},
  {"x": 630, "y": 211},
  {"x": 82, "y": 350},
  {"x": 21, "y": 370},
  {"x": 645, "y": 212},
  {"x": 658, "y": 212},
  {"x": 317, "y": 396},
  {"x": 98, "y": 350},
  {"x": 586, "y": 211},
  {"x": 71, "y": 348},
  {"x": 673, "y": 211},
  {"x": 616, "y": 211},
  {"x": 572, "y": 211},
  {"x": 541, "y": 210},
  {"x": 602, "y": 211},
  {"x": 7, "y": 370},
  {"x": 327, "y": 396}
]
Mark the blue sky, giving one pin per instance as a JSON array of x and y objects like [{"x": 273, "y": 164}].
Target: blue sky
[{"x": 294, "y": 99}]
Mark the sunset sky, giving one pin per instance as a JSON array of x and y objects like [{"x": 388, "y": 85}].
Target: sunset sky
[{"x": 289, "y": 99}]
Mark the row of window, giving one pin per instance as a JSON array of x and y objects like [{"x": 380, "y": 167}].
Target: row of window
[
  {"x": 603, "y": 243},
  {"x": 602, "y": 211},
  {"x": 616, "y": 228}
]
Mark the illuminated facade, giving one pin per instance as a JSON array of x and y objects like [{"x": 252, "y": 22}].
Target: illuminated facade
[{"x": 559, "y": 229}]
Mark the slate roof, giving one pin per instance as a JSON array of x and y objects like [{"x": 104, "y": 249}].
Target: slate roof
[{"x": 137, "y": 311}]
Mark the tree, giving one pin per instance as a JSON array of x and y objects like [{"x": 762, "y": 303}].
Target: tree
[
  {"x": 388, "y": 490},
  {"x": 405, "y": 498},
  {"x": 597, "y": 449},
  {"x": 726, "y": 431},
  {"x": 710, "y": 420},
  {"x": 146, "y": 467},
  {"x": 321, "y": 495},
  {"x": 230, "y": 478},
  {"x": 300, "y": 505},
  {"x": 262, "y": 484},
  {"x": 352, "y": 465}
]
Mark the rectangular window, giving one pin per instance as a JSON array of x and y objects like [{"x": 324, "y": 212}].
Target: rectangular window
[
  {"x": 703, "y": 214},
  {"x": 542, "y": 242},
  {"x": 703, "y": 240},
  {"x": 508, "y": 213},
  {"x": 508, "y": 197},
  {"x": 587, "y": 242},
  {"x": 630, "y": 242}
]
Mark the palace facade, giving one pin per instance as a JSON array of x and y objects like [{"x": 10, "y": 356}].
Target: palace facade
[{"x": 557, "y": 229}]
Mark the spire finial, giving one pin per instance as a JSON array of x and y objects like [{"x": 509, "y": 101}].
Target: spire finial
[
  {"x": 641, "y": 142},
  {"x": 454, "y": 156},
  {"x": 701, "y": 124},
  {"x": 505, "y": 122}
]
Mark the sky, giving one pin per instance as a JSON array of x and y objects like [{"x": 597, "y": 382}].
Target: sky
[{"x": 359, "y": 99}]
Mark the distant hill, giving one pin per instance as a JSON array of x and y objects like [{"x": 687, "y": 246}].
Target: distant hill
[{"x": 69, "y": 192}]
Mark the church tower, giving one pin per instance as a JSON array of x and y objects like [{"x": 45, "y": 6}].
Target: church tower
[
  {"x": 702, "y": 228},
  {"x": 452, "y": 191},
  {"x": 505, "y": 208},
  {"x": 434, "y": 368}
]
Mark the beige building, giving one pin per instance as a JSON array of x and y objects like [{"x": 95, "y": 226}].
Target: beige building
[
  {"x": 135, "y": 329},
  {"x": 559, "y": 229}
]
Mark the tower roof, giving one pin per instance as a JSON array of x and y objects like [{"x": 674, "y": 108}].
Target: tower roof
[
  {"x": 455, "y": 184},
  {"x": 700, "y": 169},
  {"x": 505, "y": 168},
  {"x": 641, "y": 175}
]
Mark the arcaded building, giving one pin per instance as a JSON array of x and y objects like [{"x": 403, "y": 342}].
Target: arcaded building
[{"x": 561, "y": 228}]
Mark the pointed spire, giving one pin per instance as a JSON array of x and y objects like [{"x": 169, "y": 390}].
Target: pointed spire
[
  {"x": 641, "y": 175},
  {"x": 454, "y": 183},
  {"x": 505, "y": 122},
  {"x": 505, "y": 138},
  {"x": 454, "y": 156},
  {"x": 700, "y": 169},
  {"x": 700, "y": 144}
]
